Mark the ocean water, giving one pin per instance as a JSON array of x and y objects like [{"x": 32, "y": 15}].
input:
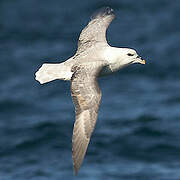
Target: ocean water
[{"x": 137, "y": 136}]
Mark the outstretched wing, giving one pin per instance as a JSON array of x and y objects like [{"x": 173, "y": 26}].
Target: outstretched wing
[
  {"x": 86, "y": 97},
  {"x": 95, "y": 31}
]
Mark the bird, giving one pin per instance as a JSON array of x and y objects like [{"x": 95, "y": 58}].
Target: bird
[{"x": 94, "y": 58}]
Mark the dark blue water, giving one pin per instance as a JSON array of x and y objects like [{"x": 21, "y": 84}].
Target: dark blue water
[{"x": 137, "y": 136}]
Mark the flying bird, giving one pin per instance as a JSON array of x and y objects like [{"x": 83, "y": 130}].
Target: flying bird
[{"x": 94, "y": 57}]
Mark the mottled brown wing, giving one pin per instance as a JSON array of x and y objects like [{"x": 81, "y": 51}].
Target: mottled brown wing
[
  {"x": 95, "y": 31},
  {"x": 86, "y": 97}
]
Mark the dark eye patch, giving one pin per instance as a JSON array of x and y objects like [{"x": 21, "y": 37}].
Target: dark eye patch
[{"x": 129, "y": 54}]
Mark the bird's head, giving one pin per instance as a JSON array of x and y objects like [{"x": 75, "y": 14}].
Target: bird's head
[
  {"x": 121, "y": 57},
  {"x": 131, "y": 56}
]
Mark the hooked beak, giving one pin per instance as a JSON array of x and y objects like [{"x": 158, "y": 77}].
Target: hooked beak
[
  {"x": 143, "y": 62},
  {"x": 140, "y": 60}
]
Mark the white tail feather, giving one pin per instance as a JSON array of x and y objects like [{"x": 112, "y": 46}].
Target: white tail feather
[{"x": 50, "y": 72}]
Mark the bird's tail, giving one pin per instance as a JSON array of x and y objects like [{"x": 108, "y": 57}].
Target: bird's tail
[{"x": 50, "y": 72}]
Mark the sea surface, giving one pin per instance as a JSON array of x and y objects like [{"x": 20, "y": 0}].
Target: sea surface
[{"x": 137, "y": 136}]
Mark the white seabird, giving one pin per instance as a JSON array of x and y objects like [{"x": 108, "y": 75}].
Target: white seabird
[{"x": 94, "y": 57}]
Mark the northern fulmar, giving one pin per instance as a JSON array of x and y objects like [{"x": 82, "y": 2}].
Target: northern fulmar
[{"x": 94, "y": 57}]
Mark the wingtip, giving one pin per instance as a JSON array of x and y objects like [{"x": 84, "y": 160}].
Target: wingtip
[
  {"x": 75, "y": 171},
  {"x": 104, "y": 11},
  {"x": 75, "y": 168}
]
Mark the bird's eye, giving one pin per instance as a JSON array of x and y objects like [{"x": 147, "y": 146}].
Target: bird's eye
[{"x": 129, "y": 54}]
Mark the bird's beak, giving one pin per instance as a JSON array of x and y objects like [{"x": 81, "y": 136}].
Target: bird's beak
[
  {"x": 143, "y": 62},
  {"x": 140, "y": 60}
]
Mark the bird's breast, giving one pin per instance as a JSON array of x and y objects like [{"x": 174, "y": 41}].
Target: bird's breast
[{"x": 106, "y": 71}]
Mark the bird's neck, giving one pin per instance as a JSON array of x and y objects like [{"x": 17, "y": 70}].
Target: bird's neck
[
  {"x": 111, "y": 54},
  {"x": 115, "y": 57}
]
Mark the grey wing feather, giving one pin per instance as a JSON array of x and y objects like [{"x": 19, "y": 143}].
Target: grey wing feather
[
  {"x": 86, "y": 97},
  {"x": 95, "y": 31}
]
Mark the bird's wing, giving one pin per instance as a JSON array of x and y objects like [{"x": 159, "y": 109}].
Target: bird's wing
[
  {"x": 95, "y": 31},
  {"x": 86, "y": 96}
]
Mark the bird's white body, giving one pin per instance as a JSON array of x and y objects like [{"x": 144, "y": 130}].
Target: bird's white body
[{"x": 116, "y": 58}]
